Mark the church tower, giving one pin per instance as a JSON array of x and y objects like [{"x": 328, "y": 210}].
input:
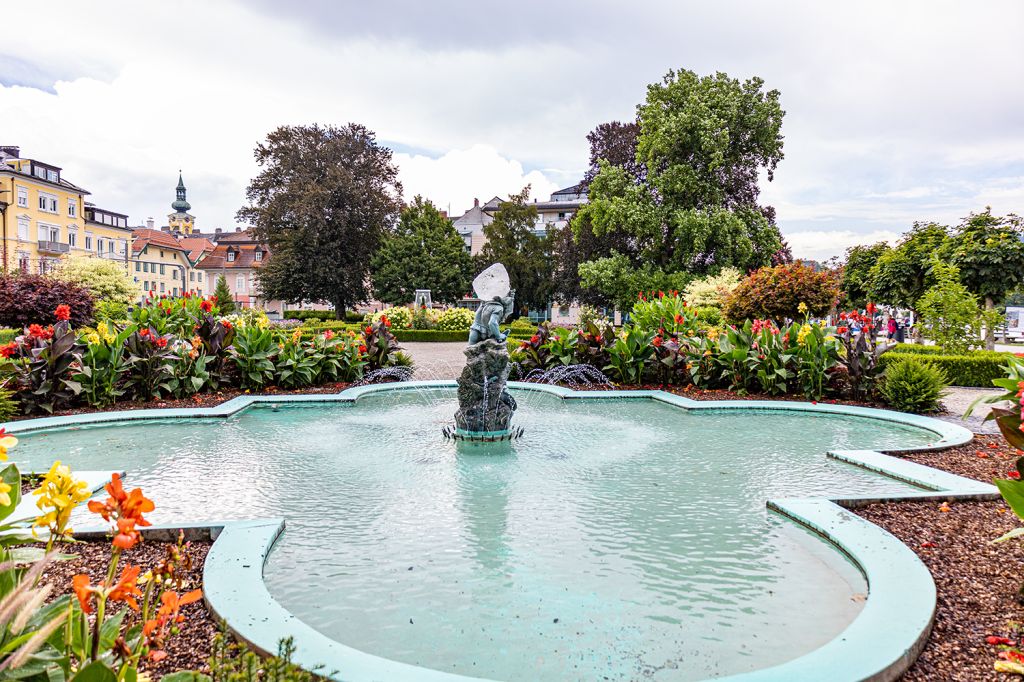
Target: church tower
[{"x": 181, "y": 220}]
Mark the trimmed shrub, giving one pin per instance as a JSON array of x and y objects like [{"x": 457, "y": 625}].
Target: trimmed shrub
[
  {"x": 977, "y": 369},
  {"x": 32, "y": 299},
  {"x": 456, "y": 319},
  {"x": 913, "y": 384}
]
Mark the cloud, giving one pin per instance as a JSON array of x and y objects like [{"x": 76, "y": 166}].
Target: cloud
[{"x": 454, "y": 179}]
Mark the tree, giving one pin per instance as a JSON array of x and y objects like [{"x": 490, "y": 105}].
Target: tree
[
  {"x": 904, "y": 273},
  {"x": 424, "y": 252},
  {"x": 511, "y": 240},
  {"x": 860, "y": 261},
  {"x": 989, "y": 252},
  {"x": 776, "y": 293},
  {"x": 323, "y": 202},
  {"x": 702, "y": 144},
  {"x": 225, "y": 301},
  {"x": 106, "y": 280}
]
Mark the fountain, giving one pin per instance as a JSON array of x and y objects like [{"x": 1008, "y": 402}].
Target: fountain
[{"x": 485, "y": 405}]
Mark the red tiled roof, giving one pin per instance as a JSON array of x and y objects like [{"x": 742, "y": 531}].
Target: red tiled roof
[{"x": 245, "y": 257}]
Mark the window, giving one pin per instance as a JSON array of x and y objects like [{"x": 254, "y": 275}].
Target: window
[
  {"x": 88, "y": 242},
  {"x": 72, "y": 238},
  {"x": 72, "y": 208},
  {"x": 231, "y": 256},
  {"x": 23, "y": 229},
  {"x": 259, "y": 255},
  {"x": 239, "y": 283},
  {"x": 138, "y": 266},
  {"x": 23, "y": 197},
  {"x": 162, "y": 265}
]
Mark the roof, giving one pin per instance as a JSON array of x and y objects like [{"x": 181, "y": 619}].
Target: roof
[
  {"x": 245, "y": 257},
  {"x": 197, "y": 247},
  {"x": 144, "y": 237}
]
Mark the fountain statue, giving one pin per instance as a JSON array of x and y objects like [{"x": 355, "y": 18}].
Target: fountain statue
[{"x": 485, "y": 406}]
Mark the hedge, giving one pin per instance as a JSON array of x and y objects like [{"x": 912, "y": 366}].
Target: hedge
[{"x": 977, "y": 369}]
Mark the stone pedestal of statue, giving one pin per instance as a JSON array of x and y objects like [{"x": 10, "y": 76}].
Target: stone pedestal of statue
[{"x": 485, "y": 406}]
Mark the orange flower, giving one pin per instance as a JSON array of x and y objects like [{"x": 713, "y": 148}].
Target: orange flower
[
  {"x": 84, "y": 591},
  {"x": 127, "y": 587}
]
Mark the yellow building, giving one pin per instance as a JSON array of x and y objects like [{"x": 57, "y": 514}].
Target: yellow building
[{"x": 44, "y": 217}]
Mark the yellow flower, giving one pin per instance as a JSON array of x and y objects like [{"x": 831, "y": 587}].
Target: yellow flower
[
  {"x": 6, "y": 441},
  {"x": 801, "y": 336},
  {"x": 5, "y": 494},
  {"x": 59, "y": 493}
]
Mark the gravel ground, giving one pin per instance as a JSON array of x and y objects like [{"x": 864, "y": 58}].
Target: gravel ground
[
  {"x": 977, "y": 581},
  {"x": 188, "y": 650}
]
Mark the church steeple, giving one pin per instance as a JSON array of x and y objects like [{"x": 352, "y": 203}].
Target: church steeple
[{"x": 180, "y": 204}]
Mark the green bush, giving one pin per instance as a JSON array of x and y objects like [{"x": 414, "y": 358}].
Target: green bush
[
  {"x": 913, "y": 384},
  {"x": 455, "y": 319},
  {"x": 977, "y": 369},
  {"x": 439, "y": 335}
]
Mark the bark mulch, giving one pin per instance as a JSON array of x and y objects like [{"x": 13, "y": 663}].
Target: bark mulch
[
  {"x": 977, "y": 581},
  {"x": 190, "y": 648}
]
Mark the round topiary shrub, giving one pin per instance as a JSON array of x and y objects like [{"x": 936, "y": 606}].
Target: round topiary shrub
[
  {"x": 912, "y": 384},
  {"x": 455, "y": 319}
]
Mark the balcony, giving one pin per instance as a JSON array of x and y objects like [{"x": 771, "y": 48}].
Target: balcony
[{"x": 59, "y": 248}]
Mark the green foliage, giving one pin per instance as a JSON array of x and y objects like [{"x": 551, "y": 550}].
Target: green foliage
[
  {"x": 857, "y": 283},
  {"x": 778, "y": 292},
  {"x": 511, "y": 241},
  {"x": 618, "y": 280},
  {"x": 253, "y": 352},
  {"x": 107, "y": 280},
  {"x": 711, "y": 290},
  {"x": 912, "y": 384},
  {"x": 424, "y": 252},
  {"x": 977, "y": 368},
  {"x": 456, "y": 319},
  {"x": 323, "y": 201},
  {"x": 950, "y": 315},
  {"x": 222, "y": 296},
  {"x": 904, "y": 273}
]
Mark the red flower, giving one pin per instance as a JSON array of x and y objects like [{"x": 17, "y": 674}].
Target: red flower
[
  {"x": 161, "y": 342},
  {"x": 63, "y": 312}
]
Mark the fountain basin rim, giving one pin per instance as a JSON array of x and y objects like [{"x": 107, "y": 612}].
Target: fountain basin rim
[{"x": 879, "y": 644}]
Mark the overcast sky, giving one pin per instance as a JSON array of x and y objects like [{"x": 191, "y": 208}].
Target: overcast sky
[{"x": 896, "y": 111}]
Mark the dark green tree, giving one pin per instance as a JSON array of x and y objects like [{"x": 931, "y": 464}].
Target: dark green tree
[
  {"x": 904, "y": 273},
  {"x": 860, "y": 261},
  {"x": 989, "y": 252},
  {"x": 225, "y": 301},
  {"x": 424, "y": 252},
  {"x": 512, "y": 240},
  {"x": 323, "y": 202},
  {"x": 702, "y": 143}
]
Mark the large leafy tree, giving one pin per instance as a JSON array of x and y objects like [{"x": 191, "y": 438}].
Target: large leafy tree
[
  {"x": 511, "y": 240},
  {"x": 323, "y": 202},
  {"x": 424, "y": 252},
  {"x": 702, "y": 143},
  {"x": 902, "y": 274},
  {"x": 989, "y": 252},
  {"x": 860, "y": 261}
]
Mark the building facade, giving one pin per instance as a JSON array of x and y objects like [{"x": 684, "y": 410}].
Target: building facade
[{"x": 44, "y": 218}]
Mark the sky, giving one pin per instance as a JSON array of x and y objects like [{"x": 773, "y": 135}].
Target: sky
[{"x": 895, "y": 111}]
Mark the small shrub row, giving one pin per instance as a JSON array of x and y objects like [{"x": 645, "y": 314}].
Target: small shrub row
[{"x": 977, "y": 369}]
